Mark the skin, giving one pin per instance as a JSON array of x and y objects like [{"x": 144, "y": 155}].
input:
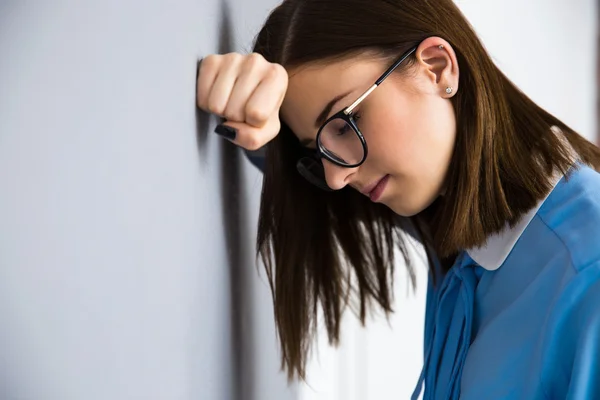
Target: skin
[{"x": 408, "y": 121}]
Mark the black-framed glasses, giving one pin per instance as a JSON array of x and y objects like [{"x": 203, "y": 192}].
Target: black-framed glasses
[{"x": 339, "y": 140}]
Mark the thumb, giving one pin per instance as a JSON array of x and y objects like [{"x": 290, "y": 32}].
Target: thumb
[{"x": 247, "y": 136}]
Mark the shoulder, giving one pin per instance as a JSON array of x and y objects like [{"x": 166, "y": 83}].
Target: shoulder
[
  {"x": 571, "y": 362},
  {"x": 572, "y": 342},
  {"x": 572, "y": 214}
]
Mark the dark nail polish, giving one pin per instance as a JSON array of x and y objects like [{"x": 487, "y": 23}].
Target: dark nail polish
[{"x": 226, "y": 131}]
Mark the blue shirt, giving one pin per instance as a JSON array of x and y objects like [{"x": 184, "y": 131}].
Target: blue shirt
[{"x": 520, "y": 317}]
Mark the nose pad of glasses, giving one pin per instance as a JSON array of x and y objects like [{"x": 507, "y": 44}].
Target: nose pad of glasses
[{"x": 312, "y": 170}]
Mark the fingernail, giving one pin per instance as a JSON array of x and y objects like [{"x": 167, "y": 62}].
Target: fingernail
[{"x": 226, "y": 131}]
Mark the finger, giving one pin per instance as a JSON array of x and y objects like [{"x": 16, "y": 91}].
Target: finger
[
  {"x": 223, "y": 85},
  {"x": 247, "y": 136},
  {"x": 268, "y": 97},
  {"x": 207, "y": 73},
  {"x": 250, "y": 77}
]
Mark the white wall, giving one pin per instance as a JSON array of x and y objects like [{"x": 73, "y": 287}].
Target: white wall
[
  {"x": 548, "y": 48},
  {"x": 127, "y": 227}
]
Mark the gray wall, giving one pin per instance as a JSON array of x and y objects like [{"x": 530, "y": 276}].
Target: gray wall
[{"x": 127, "y": 227}]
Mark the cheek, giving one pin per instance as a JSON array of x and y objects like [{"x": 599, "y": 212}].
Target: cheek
[
  {"x": 393, "y": 138},
  {"x": 440, "y": 134},
  {"x": 415, "y": 138}
]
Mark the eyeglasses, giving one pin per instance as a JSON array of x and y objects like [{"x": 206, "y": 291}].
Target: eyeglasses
[{"x": 339, "y": 139}]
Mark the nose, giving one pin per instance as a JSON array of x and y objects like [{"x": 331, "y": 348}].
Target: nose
[{"x": 337, "y": 177}]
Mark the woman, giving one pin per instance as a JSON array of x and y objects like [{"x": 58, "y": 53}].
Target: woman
[{"x": 504, "y": 196}]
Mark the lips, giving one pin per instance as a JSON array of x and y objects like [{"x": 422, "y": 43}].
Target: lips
[
  {"x": 375, "y": 190},
  {"x": 367, "y": 190}
]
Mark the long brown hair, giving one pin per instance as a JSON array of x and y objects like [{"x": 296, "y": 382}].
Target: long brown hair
[{"x": 327, "y": 248}]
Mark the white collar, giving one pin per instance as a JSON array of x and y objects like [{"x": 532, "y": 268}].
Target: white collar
[{"x": 498, "y": 246}]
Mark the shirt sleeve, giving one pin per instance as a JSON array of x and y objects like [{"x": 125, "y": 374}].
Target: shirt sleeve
[
  {"x": 257, "y": 158},
  {"x": 571, "y": 366},
  {"x": 585, "y": 372}
]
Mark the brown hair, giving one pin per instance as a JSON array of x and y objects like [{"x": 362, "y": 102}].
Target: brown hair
[{"x": 326, "y": 247}]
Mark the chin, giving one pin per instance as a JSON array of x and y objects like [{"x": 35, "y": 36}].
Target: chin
[
  {"x": 410, "y": 207},
  {"x": 405, "y": 210}
]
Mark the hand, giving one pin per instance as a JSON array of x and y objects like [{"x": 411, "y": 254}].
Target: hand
[{"x": 247, "y": 91}]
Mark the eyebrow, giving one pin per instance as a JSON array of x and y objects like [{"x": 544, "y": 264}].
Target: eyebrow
[
  {"x": 327, "y": 110},
  {"x": 323, "y": 115}
]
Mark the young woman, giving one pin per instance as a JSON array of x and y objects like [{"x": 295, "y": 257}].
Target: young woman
[{"x": 386, "y": 117}]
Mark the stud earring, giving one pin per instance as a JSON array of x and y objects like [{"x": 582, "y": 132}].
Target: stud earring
[
  {"x": 448, "y": 90},
  {"x": 441, "y": 46}
]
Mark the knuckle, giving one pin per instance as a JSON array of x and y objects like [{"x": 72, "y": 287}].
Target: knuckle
[
  {"x": 255, "y": 114},
  {"x": 233, "y": 115},
  {"x": 211, "y": 61},
  {"x": 255, "y": 59},
  {"x": 278, "y": 78},
  {"x": 277, "y": 70},
  {"x": 215, "y": 108},
  {"x": 282, "y": 73},
  {"x": 233, "y": 57}
]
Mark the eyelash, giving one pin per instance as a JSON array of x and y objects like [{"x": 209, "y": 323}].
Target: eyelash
[{"x": 356, "y": 116}]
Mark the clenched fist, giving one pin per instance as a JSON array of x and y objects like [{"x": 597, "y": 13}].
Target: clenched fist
[{"x": 247, "y": 91}]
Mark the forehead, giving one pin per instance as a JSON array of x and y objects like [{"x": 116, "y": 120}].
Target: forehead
[{"x": 311, "y": 87}]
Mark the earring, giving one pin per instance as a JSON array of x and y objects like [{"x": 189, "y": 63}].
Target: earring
[
  {"x": 448, "y": 90},
  {"x": 441, "y": 46}
]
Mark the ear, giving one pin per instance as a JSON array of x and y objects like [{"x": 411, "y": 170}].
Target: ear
[{"x": 437, "y": 60}]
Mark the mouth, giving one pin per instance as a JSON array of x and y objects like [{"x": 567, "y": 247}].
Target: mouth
[{"x": 375, "y": 190}]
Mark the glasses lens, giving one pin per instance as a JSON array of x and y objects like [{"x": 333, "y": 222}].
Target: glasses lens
[
  {"x": 341, "y": 142},
  {"x": 312, "y": 170}
]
